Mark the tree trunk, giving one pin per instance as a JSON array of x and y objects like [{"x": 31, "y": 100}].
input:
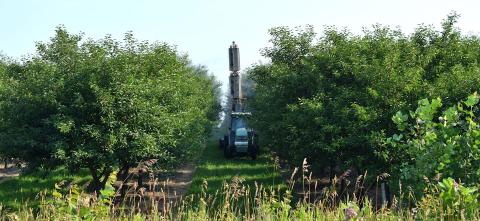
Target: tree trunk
[
  {"x": 98, "y": 181},
  {"x": 6, "y": 163},
  {"x": 106, "y": 175},
  {"x": 93, "y": 186},
  {"x": 123, "y": 173},
  {"x": 332, "y": 169}
]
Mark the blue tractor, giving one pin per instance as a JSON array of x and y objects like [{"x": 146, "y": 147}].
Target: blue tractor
[{"x": 240, "y": 139}]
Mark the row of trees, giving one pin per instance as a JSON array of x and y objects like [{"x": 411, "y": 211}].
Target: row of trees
[
  {"x": 332, "y": 98},
  {"x": 104, "y": 105}
]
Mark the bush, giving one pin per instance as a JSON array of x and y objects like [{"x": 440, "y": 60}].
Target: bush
[
  {"x": 331, "y": 99},
  {"x": 438, "y": 143},
  {"x": 105, "y": 104},
  {"x": 449, "y": 200}
]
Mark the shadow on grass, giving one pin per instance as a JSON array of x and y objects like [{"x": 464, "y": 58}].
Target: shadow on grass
[
  {"x": 215, "y": 169},
  {"x": 25, "y": 189}
]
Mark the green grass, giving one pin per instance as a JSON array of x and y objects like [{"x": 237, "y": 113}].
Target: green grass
[
  {"x": 215, "y": 169},
  {"x": 23, "y": 190},
  {"x": 233, "y": 202}
]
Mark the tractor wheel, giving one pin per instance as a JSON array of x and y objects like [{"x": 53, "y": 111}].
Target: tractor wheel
[
  {"x": 220, "y": 143},
  {"x": 227, "y": 151},
  {"x": 253, "y": 155},
  {"x": 225, "y": 141},
  {"x": 253, "y": 145},
  {"x": 253, "y": 152}
]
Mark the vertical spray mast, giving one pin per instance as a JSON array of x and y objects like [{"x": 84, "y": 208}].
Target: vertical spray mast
[
  {"x": 235, "y": 83},
  {"x": 239, "y": 139}
]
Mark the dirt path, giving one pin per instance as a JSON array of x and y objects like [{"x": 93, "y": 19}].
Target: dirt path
[
  {"x": 160, "y": 192},
  {"x": 8, "y": 173}
]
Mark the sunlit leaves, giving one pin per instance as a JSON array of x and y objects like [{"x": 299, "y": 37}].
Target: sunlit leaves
[
  {"x": 447, "y": 145},
  {"x": 360, "y": 82},
  {"x": 400, "y": 120},
  {"x": 427, "y": 109},
  {"x": 107, "y": 103},
  {"x": 472, "y": 100}
]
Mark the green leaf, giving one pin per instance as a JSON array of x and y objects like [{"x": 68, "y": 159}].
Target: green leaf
[
  {"x": 57, "y": 194},
  {"x": 451, "y": 114},
  {"x": 472, "y": 100},
  {"x": 138, "y": 217},
  {"x": 426, "y": 109},
  {"x": 397, "y": 137},
  {"x": 400, "y": 120},
  {"x": 108, "y": 192}
]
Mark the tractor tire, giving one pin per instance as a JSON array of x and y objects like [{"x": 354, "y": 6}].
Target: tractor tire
[
  {"x": 221, "y": 143},
  {"x": 253, "y": 145},
  {"x": 252, "y": 151},
  {"x": 225, "y": 141},
  {"x": 253, "y": 155},
  {"x": 227, "y": 150}
]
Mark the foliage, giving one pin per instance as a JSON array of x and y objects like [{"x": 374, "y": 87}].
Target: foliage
[
  {"x": 451, "y": 199},
  {"x": 331, "y": 98},
  {"x": 105, "y": 104},
  {"x": 6, "y": 89},
  {"x": 70, "y": 202},
  {"x": 439, "y": 143},
  {"x": 236, "y": 201}
]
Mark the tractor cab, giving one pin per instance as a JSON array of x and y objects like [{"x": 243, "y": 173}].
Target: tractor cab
[{"x": 240, "y": 140}]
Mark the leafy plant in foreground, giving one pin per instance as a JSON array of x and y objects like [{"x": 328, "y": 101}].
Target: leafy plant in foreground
[
  {"x": 449, "y": 200},
  {"x": 439, "y": 143}
]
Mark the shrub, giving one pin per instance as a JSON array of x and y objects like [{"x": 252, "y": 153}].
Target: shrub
[
  {"x": 438, "y": 143},
  {"x": 105, "y": 104},
  {"x": 449, "y": 200},
  {"x": 331, "y": 98}
]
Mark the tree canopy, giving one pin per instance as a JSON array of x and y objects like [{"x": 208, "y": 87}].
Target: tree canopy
[
  {"x": 104, "y": 104},
  {"x": 331, "y": 98}
]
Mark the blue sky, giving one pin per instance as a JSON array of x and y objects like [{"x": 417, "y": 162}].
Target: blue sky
[{"x": 205, "y": 28}]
